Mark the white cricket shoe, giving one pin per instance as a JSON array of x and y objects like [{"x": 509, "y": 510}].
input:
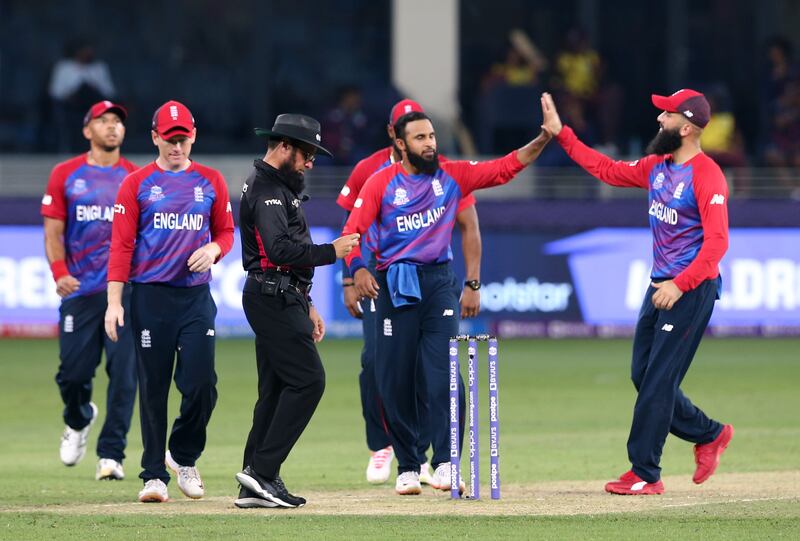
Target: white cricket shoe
[
  {"x": 189, "y": 480},
  {"x": 380, "y": 466},
  {"x": 108, "y": 468},
  {"x": 425, "y": 477},
  {"x": 441, "y": 478},
  {"x": 73, "y": 442},
  {"x": 154, "y": 491},
  {"x": 408, "y": 484}
]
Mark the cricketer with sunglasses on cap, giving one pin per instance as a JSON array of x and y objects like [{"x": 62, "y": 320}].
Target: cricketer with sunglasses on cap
[{"x": 687, "y": 199}]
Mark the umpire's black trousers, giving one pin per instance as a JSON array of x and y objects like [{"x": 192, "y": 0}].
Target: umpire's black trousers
[{"x": 291, "y": 378}]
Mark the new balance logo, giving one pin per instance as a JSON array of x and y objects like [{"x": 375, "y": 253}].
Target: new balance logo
[
  {"x": 145, "y": 338},
  {"x": 47, "y": 199},
  {"x": 210, "y": 332},
  {"x": 447, "y": 312},
  {"x": 717, "y": 199},
  {"x": 119, "y": 208},
  {"x": 667, "y": 327},
  {"x": 387, "y": 327}
]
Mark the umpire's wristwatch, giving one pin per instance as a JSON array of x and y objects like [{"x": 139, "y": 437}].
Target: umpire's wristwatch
[{"x": 474, "y": 285}]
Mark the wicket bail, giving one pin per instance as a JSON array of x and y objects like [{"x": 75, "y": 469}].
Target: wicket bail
[{"x": 473, "y": 408}]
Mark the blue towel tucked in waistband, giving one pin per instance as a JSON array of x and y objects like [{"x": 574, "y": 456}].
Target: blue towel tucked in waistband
[{"x": 403, "y": 284}]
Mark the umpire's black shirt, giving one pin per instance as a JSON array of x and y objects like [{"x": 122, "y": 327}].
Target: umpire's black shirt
[{"x": 275, "y": 234}]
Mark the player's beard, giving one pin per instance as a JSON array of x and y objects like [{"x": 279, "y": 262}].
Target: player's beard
[
  {"x": 295, "y": 180},
  {"x": 665, "y": 142},
  {"x": 426, "y": 167},
  {"x": 109, "y": 148}
]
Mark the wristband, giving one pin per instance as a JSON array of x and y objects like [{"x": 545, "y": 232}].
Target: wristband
[
  {"x": 348, "y": 285},
  {"x": 59, "y": 269}
]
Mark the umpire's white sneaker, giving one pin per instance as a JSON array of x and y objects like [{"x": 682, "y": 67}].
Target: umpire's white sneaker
[
  {"x": 73, "y": 442},
  {"x": 108, "y": 468},
  {"x": 441, "y": 478},
  {"x": 154, "y": 491},
  {"x": 189, "y": 480},
  {"x": 380, "y": 466},
  {"x": 408, "y": 484}
]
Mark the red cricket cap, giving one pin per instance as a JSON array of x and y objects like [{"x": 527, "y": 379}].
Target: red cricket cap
[
  {"x": 173, "y": 118},
  {"x": 102, "y": 107},
  {"x": 403, "y": 107},
  {"x": 690, "y": 103}
]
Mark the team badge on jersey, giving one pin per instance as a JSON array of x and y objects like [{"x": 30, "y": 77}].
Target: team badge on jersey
[
  {"x": 156, "y": 193},
  {"x": 198, "y": 194},
  {"x": 659, "y": 181},
  {"x": 400, "y": 197},
  {"x": 678, "y": 191},
  {"x": 437, "y": 187},
  {"x": 79, "y": 187}
]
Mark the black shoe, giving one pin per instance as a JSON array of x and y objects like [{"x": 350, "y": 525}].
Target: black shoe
[
  {"x": 273, "y": 490},
  {"x": 248, "y": 499}
]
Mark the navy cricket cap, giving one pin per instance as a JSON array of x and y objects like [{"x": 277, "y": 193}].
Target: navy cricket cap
[{"x": 690, "y": 103}]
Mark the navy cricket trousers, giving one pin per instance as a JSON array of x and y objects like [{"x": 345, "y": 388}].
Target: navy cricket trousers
[
  {"x": 167, "y": 320},
  {"x": 371, "y": 403},
  {"x": 663, "y": 348},
  {"x": 82, "y": 338},
  {"x": 407, "y": 338}
]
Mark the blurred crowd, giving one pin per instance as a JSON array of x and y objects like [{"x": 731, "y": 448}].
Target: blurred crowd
[
  {"x": 505, "y": 111},
  {"x": 592, "y": 103}
]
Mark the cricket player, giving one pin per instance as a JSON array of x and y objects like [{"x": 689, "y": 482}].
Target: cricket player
[
  {"x": 172, "y": 222},
  {"x": 415, "y": 202},
  {"x": 378, "y": 442},
  {"x": 688, "y": 209},
  {"x": 78, "y": 208}
]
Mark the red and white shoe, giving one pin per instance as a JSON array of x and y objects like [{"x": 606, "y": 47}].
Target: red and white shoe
[
  {"x": 630, "y": 484},
  {"x": 380, "y": 466},
  {"x": 707, "y": 455}
]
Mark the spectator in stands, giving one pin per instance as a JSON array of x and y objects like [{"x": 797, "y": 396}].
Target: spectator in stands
[
  {"x": 344, "y": 128},
  {"x": 578, "y": 66},
  {"x": 506, "y": 105},
  {"x": 522, "y": 65},
  {"x": 77, "y": 81},
  {"x": 723, "y": 141}
]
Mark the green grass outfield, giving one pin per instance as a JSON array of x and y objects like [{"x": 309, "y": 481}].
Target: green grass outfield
[{"x": 565, "y": 408}]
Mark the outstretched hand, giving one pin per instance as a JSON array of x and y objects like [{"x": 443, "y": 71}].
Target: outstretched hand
[{"x": 551, "y": 122}]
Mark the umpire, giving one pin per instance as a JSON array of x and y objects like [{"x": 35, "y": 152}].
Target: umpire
[{"x": 279, "y": 257}]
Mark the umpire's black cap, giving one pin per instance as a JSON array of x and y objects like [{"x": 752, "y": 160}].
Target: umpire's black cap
[{"x": 298, "y": 127}]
